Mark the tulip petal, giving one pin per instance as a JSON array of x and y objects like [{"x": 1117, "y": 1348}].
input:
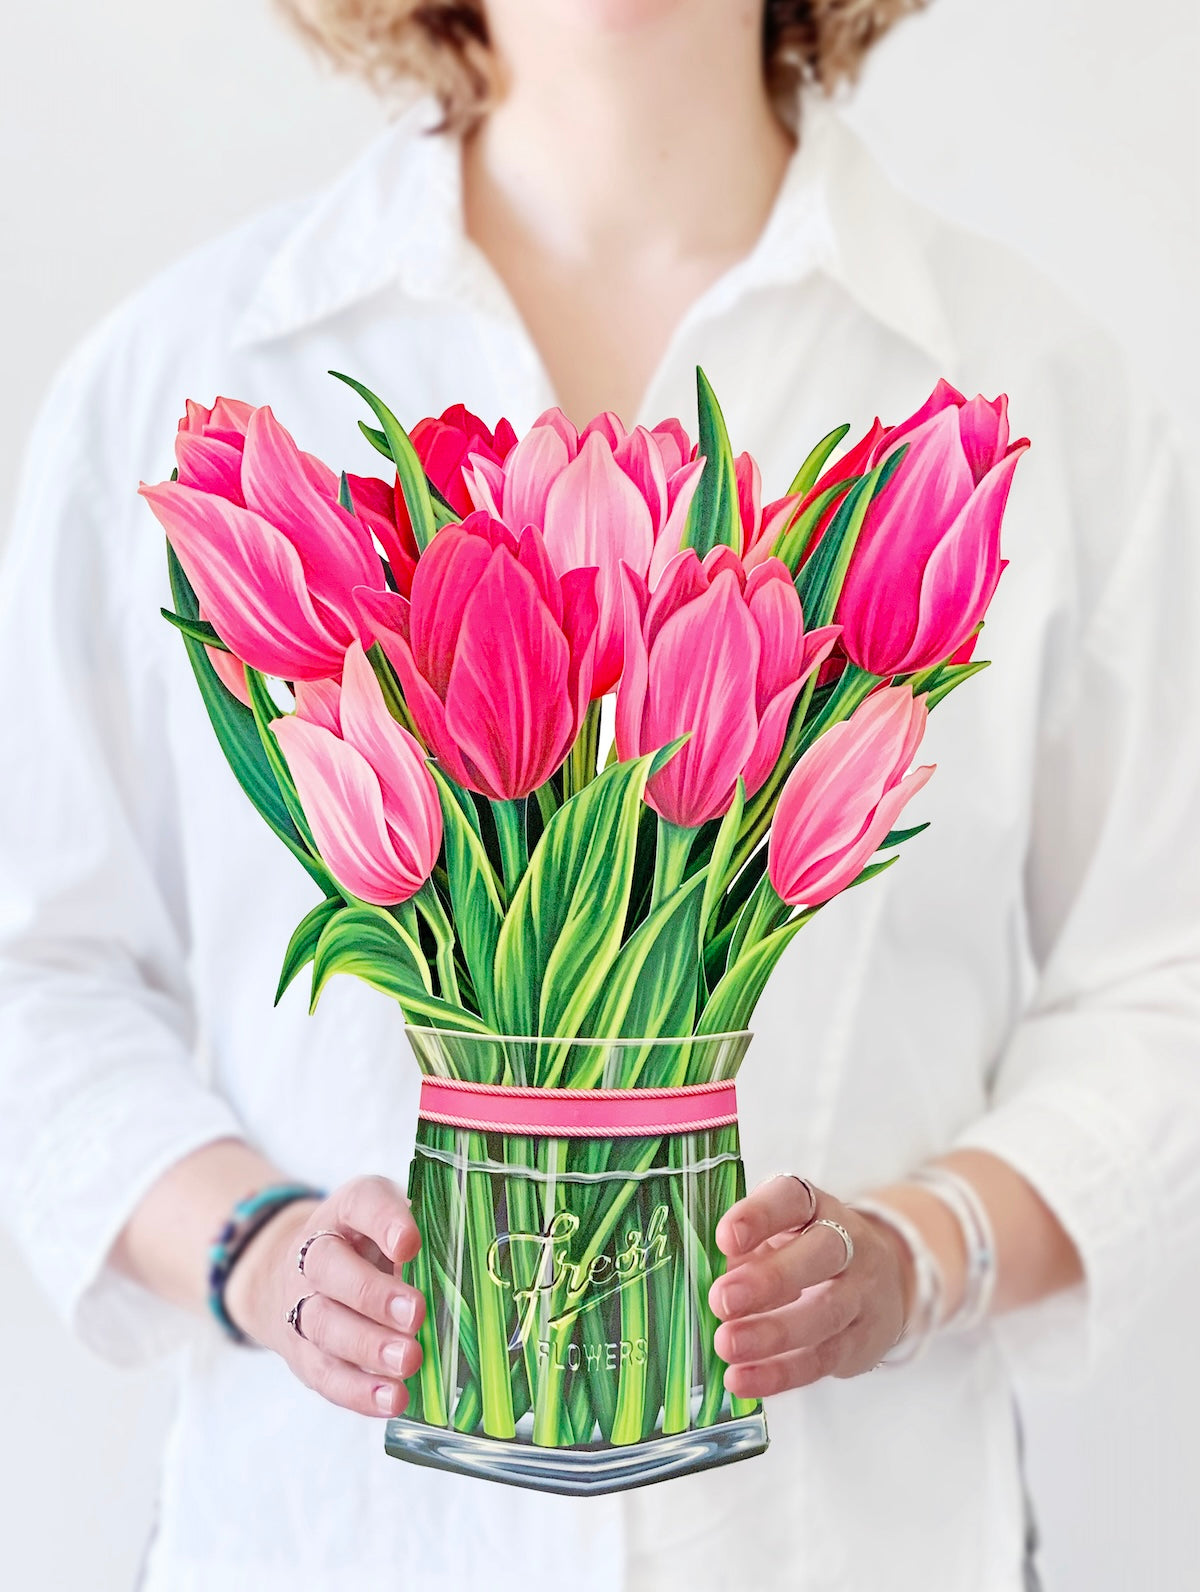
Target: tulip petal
[
  {"x": 673, "y": 443},
  {"x": 681, "y": 489},
  {"x": 507, "y": 705},
  {"x": 983, "y": 426},
  {"x": 702, "y": 669},
  {"x": 641, "y": 459},
  {"x": 340, "y": 795},
  {"x": 249, "y": 580},
  {"x": 962, "y": 573},
  {"x": 595, "y": 518},
  {"x": 425, "y": 706},
  {"x": 540, "y": 456},
  {"x": 335, "y": 548},
  {"x": 683, "y": 580},
  {"x": 631, "y": 691},
  {"x": 775, "y": 608},
  {"x": 748, "y": 477},
  {"x": 581, "y": 626},
  {"x": 209, "y": 465},
  {"x": 484, "y": 482},
  {"x": 447, "y": 575},
  {"x": 943, "y": 397},
  {"x": 318, "y": 702},
  {"x": 410, "y": 803},
  {"x": 607, "y": 424}
]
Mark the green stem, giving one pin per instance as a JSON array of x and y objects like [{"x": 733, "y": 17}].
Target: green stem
[
  {"x": 670, "y": 860},
  {"x": 580, "y": 767},
  {"x": 510, "y": 832},
  {"x": 430, "y": 907},
  {"x": 495, "y": 1380}
]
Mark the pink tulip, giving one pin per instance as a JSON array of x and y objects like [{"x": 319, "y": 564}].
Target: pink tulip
[
  {"x": 494, "y": 653},
  {"x": 271, "y": 555},
  {"x": 362, "y": 782},
  {"x": 601, "y": 498},
  {"x": 928, "y": 559},
  {"x": 719, "y": 655},
  {"x": 844, "y": 795}
]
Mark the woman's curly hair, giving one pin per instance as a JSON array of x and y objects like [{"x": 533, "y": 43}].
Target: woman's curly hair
[{"x": 442, "y": 45}]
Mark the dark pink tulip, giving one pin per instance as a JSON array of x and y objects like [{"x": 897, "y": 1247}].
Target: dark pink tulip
[
  {"x": 494, "y": 652},
  {"x": 362, "y": 782},
  {"x": 843, "y": 797},
  {"x": 928, "y": 559},
  {"x": 270, "y": 553},
  {"x": 718, "y": 654},
  {"x": 601, "y": 497}
]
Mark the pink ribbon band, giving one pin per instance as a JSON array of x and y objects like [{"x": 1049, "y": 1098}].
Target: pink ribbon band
[{"x": 578, "y": 1113}]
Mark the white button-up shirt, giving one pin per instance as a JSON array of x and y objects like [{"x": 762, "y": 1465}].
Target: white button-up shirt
[{"x": 1026, "y": 980}]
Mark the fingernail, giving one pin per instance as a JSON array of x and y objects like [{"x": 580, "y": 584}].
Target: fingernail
[
  {"x": 394, "y": 1356},
  {"x": 385, "y": 1396},
  {"x": 734, "y": 1298},
  {"x": 741, "y": 1234},
  {"x": 403, "y": 1311},
  {"x": 394, "y": 1235}
]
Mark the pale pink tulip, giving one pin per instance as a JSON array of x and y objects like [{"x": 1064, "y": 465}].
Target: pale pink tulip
[
  {"x": 719, "y": 655},
  {"x": 271, "y": 555},
  {"x": 601, "y": 497},
  {"x": 928, "y": 558},
  {"x": 844, "y": 796},
  {"x": 361, "y": 778},
  {"x": 494, "y": 653}
]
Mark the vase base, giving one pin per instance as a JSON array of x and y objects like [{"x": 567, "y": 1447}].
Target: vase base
[{"x": 578, "y": 1472}]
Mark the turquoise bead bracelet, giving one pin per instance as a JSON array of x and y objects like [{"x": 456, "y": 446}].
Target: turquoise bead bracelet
[{"x": 247, "y": 1218}]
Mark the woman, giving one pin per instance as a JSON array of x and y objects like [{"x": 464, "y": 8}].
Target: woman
[{"x": 617, "y": 192}]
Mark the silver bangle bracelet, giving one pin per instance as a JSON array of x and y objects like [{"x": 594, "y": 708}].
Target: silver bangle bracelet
[
  {"x": 962, "y": 1199},
  {"x": 929, "y": 1285}
]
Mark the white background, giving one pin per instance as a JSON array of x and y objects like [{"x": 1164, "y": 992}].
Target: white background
[{"x": 130, "y": 131}]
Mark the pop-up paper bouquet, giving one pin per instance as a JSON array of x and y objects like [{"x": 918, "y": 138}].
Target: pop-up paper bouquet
[{"x": 574, "y": 734}]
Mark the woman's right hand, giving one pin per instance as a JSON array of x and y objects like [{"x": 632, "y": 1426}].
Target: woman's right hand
[{"x": 359, "y": 1321}]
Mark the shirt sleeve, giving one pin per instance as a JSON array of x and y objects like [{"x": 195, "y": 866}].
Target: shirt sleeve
[
  {"x": 99, "y": 1090},
  {"x": 1096, "y": 1098}
]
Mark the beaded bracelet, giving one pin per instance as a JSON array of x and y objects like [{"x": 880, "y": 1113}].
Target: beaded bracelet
[
  {"x": 929, "y": 1284},
  {"x": 247, "y": 1218},
  {"x": 962, "y": 1199}
]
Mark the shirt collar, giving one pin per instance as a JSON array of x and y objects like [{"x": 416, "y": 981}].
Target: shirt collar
[{"x": 395, "y": 218}]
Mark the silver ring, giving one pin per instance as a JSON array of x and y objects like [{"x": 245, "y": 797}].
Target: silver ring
[
  {"x": 323, "y": 1232},
  {"x": 812, "y": 1201},
  {"x": 293, "y": 1316},
  {"x": 824, "y": 1221}
]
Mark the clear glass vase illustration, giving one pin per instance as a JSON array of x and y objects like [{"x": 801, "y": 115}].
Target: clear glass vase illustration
[{"x": 568, "y": 1340}]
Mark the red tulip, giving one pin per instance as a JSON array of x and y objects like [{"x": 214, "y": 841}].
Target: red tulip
[
  {"x": 928, "y": 558},
  {"x": 362, "y": 782},
  {"x": 843, "y": 797},
  {"x": 271, "y": 555},
  {"x": 719, "y": 655},
  {"x": 494, "y": 652}
]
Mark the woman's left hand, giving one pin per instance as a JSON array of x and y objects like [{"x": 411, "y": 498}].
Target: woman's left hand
[{"x": 790, "y": 1314}]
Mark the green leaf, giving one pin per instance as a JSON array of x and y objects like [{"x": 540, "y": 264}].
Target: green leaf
[
  {"x": 236, "y": 731},
  {"x": 651, "y": 987},
  {"x": 807, "y": 475},
  {"x": 718, "y": 865},
  {"x": 474, "y": 897},
  {"x": 732, "y": 1003},
  {"x": 563, "y": 929},
  {"x": 344, "y": 498},
  {"x": 949, "y": 677},
  {"x": 413, "y": 483},
  {"x": 822, "y": 576},
  {"x": 713, "y": 517},
  {"x": 375, "y": 948},
  {"x": 302, "y": 946},
  {"x": 266, "y": 711},
  {"x": 444, "y": 513},
  {"x": 898, "y": 836},
  {"x": 199, "y": 629},
  {"x": 791, "y": 544},
  {"x": 871, "y": 871}
]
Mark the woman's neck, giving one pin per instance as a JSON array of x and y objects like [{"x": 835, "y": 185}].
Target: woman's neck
[
  {"x": 606, "y": 134},
  {"x": 629, "y": 162}
]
